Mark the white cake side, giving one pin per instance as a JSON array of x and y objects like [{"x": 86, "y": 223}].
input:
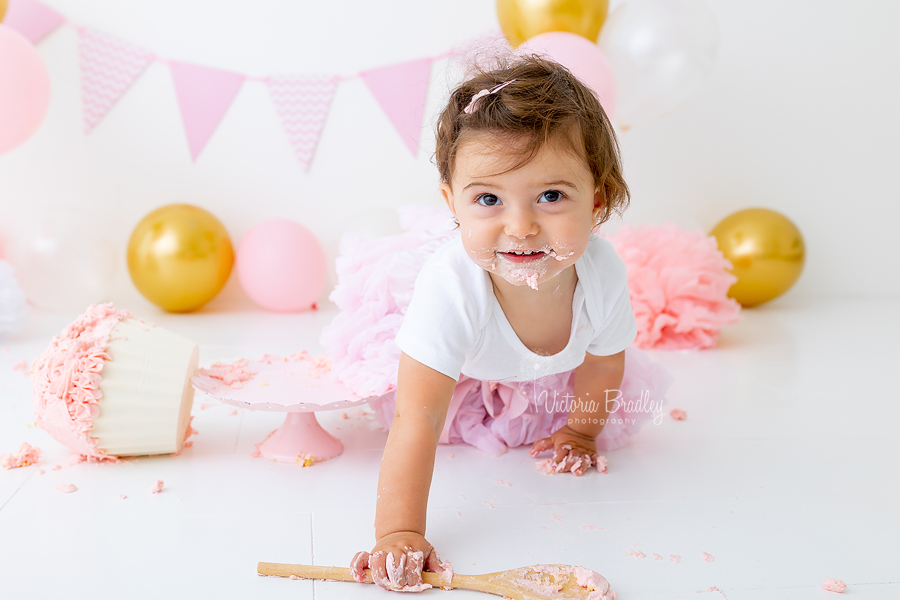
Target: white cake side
[{"x": 147, "y": 393}]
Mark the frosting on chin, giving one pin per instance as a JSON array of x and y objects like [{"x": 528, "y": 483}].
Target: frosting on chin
[{"x": 66, "y": 379}]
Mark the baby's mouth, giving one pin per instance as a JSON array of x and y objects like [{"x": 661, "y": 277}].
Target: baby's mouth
[{"x": 525, "y": 256}]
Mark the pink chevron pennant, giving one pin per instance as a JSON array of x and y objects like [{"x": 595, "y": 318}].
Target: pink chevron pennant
[
  {"x": 32, "y": 19},
  {"x": 401, "y": 90},
  {"x": 204, "y": 95},
  {"x": 302, "y": 103},
  {"x": 108, "y": 68}
]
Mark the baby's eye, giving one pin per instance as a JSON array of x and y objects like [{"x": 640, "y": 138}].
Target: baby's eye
[
  {"x": 551, "y": 196},
  {"x": 489, "y": 200}
]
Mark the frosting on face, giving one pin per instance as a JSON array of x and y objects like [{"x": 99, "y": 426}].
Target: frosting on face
[
  {"x": 66, "y": 379},
  {"x": 547, "y": 206}
]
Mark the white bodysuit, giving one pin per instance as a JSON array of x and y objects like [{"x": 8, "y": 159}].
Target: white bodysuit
[{"x": 455, "y": 325}]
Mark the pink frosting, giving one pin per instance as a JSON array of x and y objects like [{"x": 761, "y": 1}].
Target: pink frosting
[
  {"x": 834, "y": 585},
  {"x": 66, "y": 379},
  {"x": 707, "y": 557},
  {"x": 595, "y": 584},
  {"x": 396, "y": 571},
  {"x": 157, "y": 487},
  {"x": 28, "y": 455},
  {"x": 66, "y": 488},
  {"x": 678, "y": 414}
]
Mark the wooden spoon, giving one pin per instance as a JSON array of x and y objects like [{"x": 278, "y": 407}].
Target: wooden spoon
[{"x": 539, "y": 582}]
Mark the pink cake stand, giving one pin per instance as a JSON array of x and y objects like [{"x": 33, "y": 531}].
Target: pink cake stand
[{"x": 299, "y": 385}]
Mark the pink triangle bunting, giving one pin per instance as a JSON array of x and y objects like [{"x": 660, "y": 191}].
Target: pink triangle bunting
[
  {"x": 32, "y": 19},
  {"x": 401, "y": 91},
  {"x": 108, "y": 68},
  {"x": 302, "y": 102},
  {"x": 204, "y": 95}
]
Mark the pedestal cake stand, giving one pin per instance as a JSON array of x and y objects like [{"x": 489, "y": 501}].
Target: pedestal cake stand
[{"x": 299, "y": 385}]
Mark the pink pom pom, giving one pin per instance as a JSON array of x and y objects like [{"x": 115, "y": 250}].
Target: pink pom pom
[{"x": 678, "y": 282}]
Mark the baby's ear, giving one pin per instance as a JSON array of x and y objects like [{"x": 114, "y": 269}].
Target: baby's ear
[
  {"x": 599, "y": 202},
  {"x": 447, "y": 193}
]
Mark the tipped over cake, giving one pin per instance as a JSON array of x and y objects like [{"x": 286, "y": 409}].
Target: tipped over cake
[{"x": 113, "y": 385}]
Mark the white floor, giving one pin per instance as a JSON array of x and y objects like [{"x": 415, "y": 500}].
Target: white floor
[{"x": 786, "y": 471}]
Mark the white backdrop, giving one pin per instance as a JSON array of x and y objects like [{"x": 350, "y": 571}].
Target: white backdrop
[{"x": 800, "y": 115}]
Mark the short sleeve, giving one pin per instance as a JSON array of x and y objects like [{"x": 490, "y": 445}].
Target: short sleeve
[
  {"x": 440, "y": 324},
  {"x": 618, "y": 329}
]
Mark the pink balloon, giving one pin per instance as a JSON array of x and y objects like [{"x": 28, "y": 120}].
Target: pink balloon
[
  {"x": 24, "y": 89},
  {"x": 281, "y": 265},
  {"x": 583, "y": 58}
]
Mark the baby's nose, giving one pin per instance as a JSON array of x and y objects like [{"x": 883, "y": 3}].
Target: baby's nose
[{"x": 521, "y": 224}]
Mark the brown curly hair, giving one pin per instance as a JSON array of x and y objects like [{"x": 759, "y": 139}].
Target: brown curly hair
[{"x": 545, "y": 102}]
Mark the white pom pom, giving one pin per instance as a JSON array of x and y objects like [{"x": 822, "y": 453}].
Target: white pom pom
[{"x": 13, "y": 305}]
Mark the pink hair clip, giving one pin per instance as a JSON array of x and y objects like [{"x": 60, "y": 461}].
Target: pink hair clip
[{"x": 473, "y": 103}]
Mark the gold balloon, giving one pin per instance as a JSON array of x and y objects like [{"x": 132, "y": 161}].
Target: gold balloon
[
  {"x": 767, "y": 252},
  {"x": 179, "y": 257},
  {"x": 3, "y": 5},
  {"x": 523, "y": 19}
]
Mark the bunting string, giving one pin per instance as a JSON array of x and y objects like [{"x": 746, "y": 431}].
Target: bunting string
[{"x": 110, "y": 66}]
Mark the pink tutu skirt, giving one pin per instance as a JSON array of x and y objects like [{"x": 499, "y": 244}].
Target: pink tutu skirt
[{"x": 376, "y": 278}]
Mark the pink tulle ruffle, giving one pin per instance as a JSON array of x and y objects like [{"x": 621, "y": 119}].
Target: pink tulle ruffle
[
  {"x": 376, "y": 278},
  {"x": 496, "y": 416},
  {"x": 678, "y": 281}
]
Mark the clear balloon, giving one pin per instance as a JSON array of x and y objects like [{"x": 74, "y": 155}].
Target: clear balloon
[
  {"x": 24, "y": 89},
  {"x": 660, "y": 51},
  {"x": 63, "y": 261}
]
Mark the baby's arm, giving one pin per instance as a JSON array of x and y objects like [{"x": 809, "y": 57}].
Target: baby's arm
[
  {"x": 423, "y": 396},
  {"x": 574, "y": 444}
]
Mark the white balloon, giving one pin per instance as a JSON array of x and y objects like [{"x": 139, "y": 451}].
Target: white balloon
[
  {"x": 660, "y": 52},
  {"x": 63, "y": 261}
]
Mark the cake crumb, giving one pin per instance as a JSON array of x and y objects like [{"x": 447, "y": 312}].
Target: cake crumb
[
  {"x": 26, "y": 456},
  {"x": 707, "y": 557},
  {"x": 834, "y": 585},
  {"x": 556, "y": 517},
  {"x": 66, "y": 488},
  {"x": 21, "y": 367},
  {"x": 656, "y": 556},
  {"x": 636, "y": 554},
  {"x": 157, "y": 487},
  {"x": 675, "y": 558},
  {"x": 503, "y": 482},
  {"x": 678, "y": 414},
  {"x": 594, "y": 527},
  {"x": 122, "y": 496}
]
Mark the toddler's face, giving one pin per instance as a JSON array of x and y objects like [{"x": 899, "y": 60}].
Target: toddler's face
[{"x": 546, "y": 207}]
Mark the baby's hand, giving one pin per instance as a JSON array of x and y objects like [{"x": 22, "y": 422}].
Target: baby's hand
[
  {"x": 397, "y": 560},
  {"x": 572, "y": 451}
]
